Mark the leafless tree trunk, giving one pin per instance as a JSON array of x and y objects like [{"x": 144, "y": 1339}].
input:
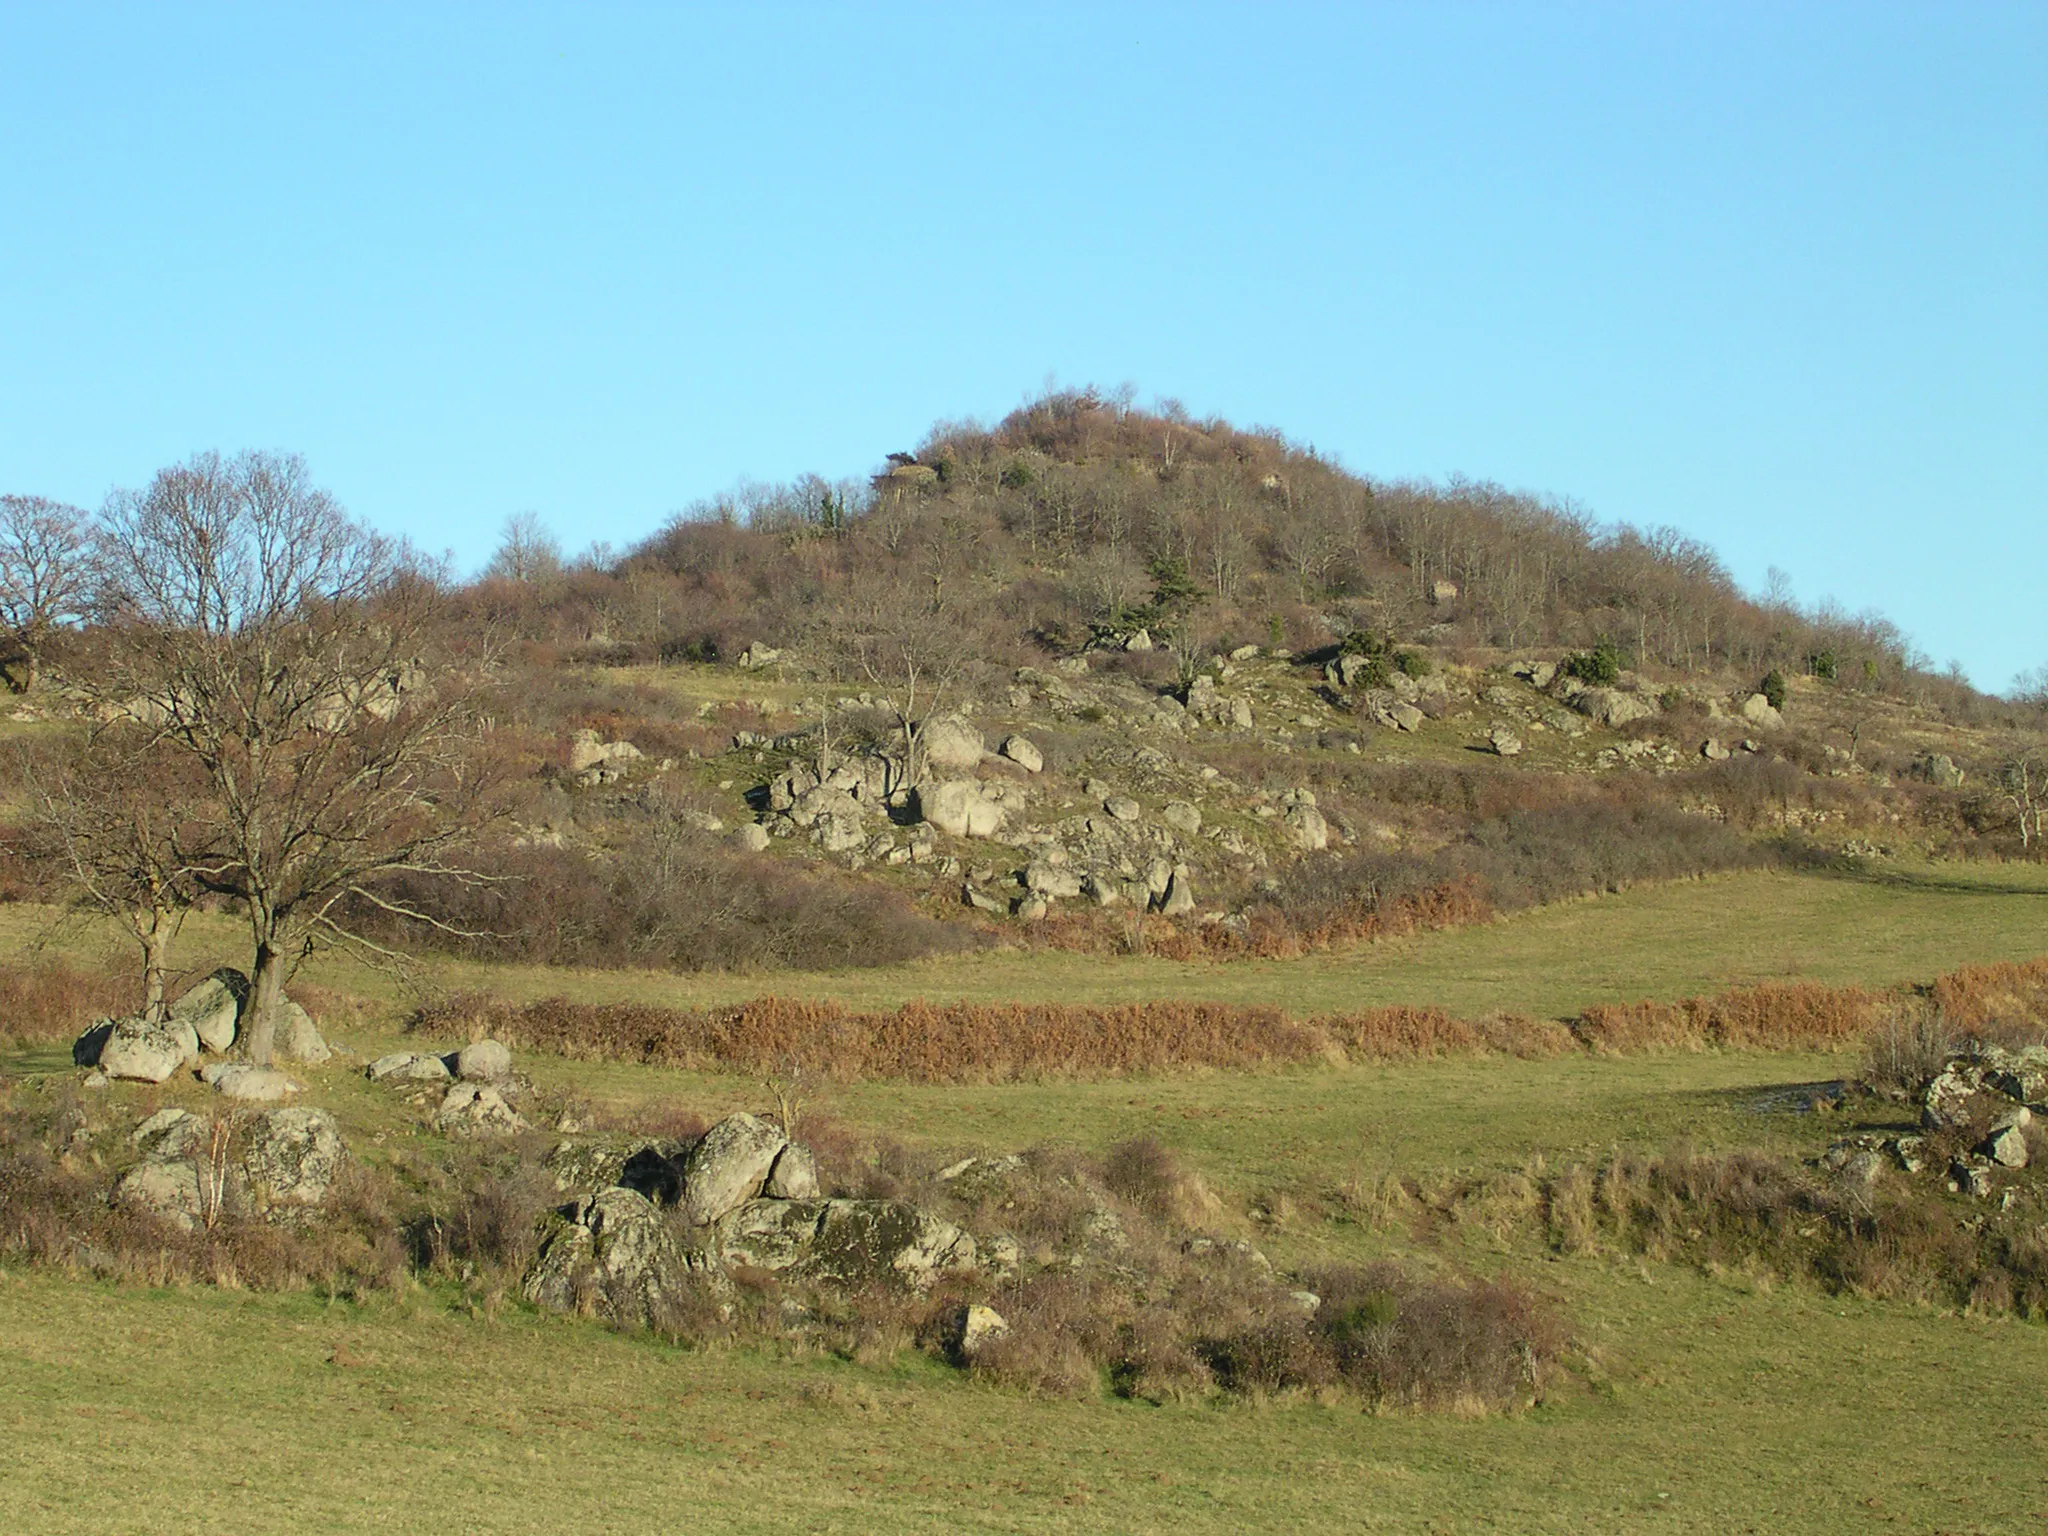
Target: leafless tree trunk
[
  {"x": 277, "y": 646},
  {"x": 45, "y": 562}
]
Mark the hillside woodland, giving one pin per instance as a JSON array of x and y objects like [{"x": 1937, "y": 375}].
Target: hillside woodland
[{"x": 1096, "y": 678}]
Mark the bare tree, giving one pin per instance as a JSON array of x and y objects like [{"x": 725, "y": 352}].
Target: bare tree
[
  {"x": 119, "y": 818},
  {"x": 276, "y": 644},
  {"x": 2031, "y": 687},
  {"x": 45, "y": 549},
  {"x": 2023, "y": 785},
  {"x": 527, "y": 551},
  {"x": 910, "y": 651}
]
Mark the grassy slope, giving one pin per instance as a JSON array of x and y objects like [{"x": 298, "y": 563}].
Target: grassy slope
[
  {"x": 1660, "y": 941},
  {"x": 1727, "y": 1411},
  {"x": 1751, "y": 1408}
]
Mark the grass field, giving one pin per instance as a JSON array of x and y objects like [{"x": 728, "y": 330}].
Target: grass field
[
  {"x": 1698, "y": 1402},
  {"x": 1656, "y": 941},
  {"x": 1724, "y": 1410}
]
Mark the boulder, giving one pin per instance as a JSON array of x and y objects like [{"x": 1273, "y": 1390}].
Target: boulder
[
  {"x": 952, "y": 744},
  {"x": 840, "y": 832},
  {"x": 758, "y": 655},
  {"x": 86, "y": 1049},
  {"x": 483, "y": 1061},
  {"x": 1952, "y": 1098},
  {"x": 292, "y": 1157},
  {"x": 2018, "y": 1074},
  {"x": 1406, "y": 717},
  {"x": 2006, "y": 1146},
  {"x": 845, "y": 1242},
  {"x": 168, "y": 1133},
  {"x": 1052, "y": 880},
  {"x": 1612, "y": 707},
  {"x": 751, "y": 836},
  {"x": 1182, "y": 817},
  {"x": 1757, "y": 710},
  {"x": 473, "y": 1106},
  {"x": 171, "y": 1191},
  {"x": 973, "y": 1328},
  {"x": 795, "y": 1175},
  {"x": 1505, "y": 743},
  {"x": 1021, "y": 751},
  {"x": 614, "y": 1256},
  {"x": 297, "y": 1038},
  {"x": 1141, "y": 640},
  {"x": 147, "y": 1051},
  {"x": 593, "y": 760},
  {"x": 1307, "y": 828},
  {"x": 1123, "y": 808},
  {"x": 278, "y": 1164},
  {"x": 249, "y": 1084},
  {"x": 961, "y": 808},
  {"x": 213, "y": 1007},
  {"x": 1180, "y": 893},
  {"x": 1713, "y": 751},
  {"x": 728, "y": 1166},
  {"x": 408, "y": 1067}
]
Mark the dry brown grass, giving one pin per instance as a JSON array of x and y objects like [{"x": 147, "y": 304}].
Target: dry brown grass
[
  {"x": 1771, "y": 1016},
  {"x": 53, "y": 1004},
  {"x": 974, "y": 1042}
]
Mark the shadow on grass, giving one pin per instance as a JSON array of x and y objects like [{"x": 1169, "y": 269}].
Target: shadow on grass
[{"x": 1868, "y": 872}]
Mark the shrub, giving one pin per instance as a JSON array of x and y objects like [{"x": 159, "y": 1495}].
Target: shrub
[
  {"x": 1773, "y": 688},
  {"x": 669, "y": 899},
  {"x": 1600, "y": 667}
]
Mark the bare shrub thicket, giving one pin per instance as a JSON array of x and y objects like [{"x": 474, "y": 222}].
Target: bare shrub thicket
[
  {"x": 671, "y": 898},
  {"x": 975, "y": 1042},
  {"x": 1745, "y": 1211}
]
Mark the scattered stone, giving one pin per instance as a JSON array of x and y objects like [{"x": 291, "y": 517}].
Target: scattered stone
[
  {"x": 1714, "y": 752},
  {"x": 408, "y": 1067},
  {"x": 1021, "y": 751},
  {"x": 1307, "y": 827},
  {"x": 483, "y": 1061},
  {"x": 751, "y": 836},
  {"x": 1140, "y": 640},
  {"x": 1504, "y": 742},
  {"x": 477, "y": 1107},
  {"x": 1123, "y": 808},
  {"x": 1758, "y": 710},
  {"x": 249, "y": 1084},
  {"x": 1179, "y": 899},
  {"x": 1182, "y": 817}
]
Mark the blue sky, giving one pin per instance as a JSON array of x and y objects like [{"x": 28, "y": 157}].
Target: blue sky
[{"x": 1774, "y": 274}]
